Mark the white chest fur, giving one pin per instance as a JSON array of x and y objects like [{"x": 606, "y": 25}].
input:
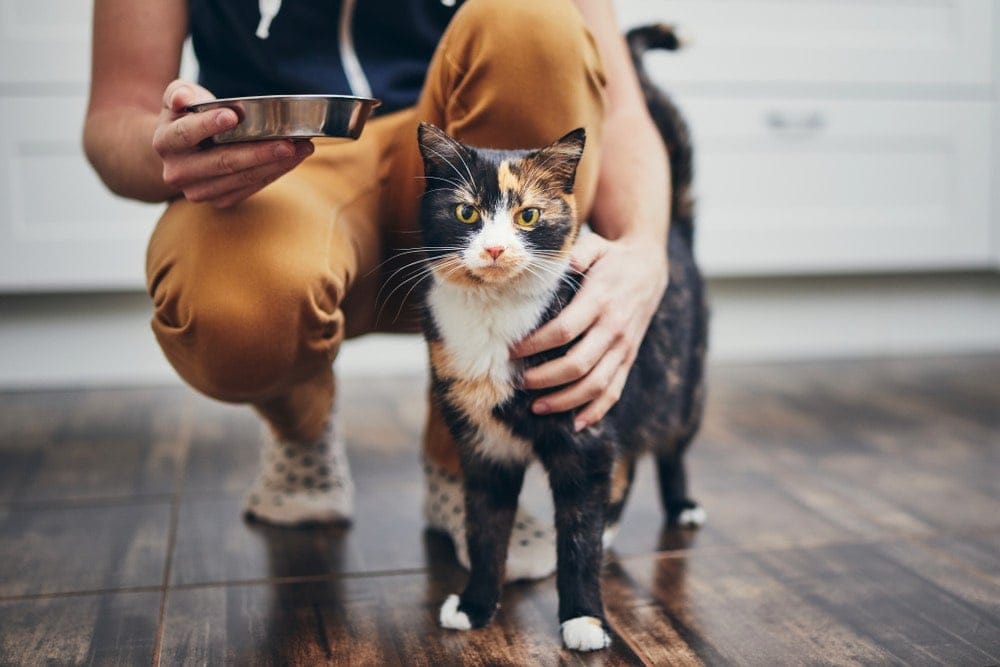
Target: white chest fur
[{"x": 477, "y": 329}]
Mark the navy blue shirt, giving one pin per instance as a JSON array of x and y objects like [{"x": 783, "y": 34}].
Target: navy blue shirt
[{"x": 392, "y": 40}]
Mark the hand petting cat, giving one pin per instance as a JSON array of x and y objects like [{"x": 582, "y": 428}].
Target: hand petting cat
[
  {"x": 621, "y": 291},
  {"x": 626, "y": 271}
]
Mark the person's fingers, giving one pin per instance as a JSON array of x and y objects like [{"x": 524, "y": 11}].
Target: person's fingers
[
  {"x": 216, "y": 190},
  {"x": 586, "y": 390},
  {"x": 181, "y": 94},
  {"x": 575, "y": 318},
  {"x": 575, "y": 364},
  {"x": 587, "y": 250},
  {"x": 599, "y": 407},
  {"x": 228, "y": 159},
  {"x": 188, "y": 131}
]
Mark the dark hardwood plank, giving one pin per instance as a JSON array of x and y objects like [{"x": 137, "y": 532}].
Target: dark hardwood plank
[
  {"x": 904, "y": 609},
  {"x": 107, "y": 629},
  {"x": 91, "y": 444},
  {"x": 66, "y": 549},
  {"x": 390, "y": 620},
  {"x": 852, "y": 520},
  {"x": 216, "y": 544},
  {"x": 730, "y": 609}
]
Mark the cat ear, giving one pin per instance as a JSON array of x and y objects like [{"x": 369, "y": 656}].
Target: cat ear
[
  {"x": 440, "y": 151},
  {"x": 560, "y": 159}
]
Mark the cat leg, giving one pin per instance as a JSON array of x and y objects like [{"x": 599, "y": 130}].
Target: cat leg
[
  {"x": 531, "y": 553},
  {"x": 491, "y": 491},
  {"x": 303, "y": 481},
  {"x": 622, "y": 476},
  {"x": 580, "y": 476},
  {"x": 681, "y": 511}
]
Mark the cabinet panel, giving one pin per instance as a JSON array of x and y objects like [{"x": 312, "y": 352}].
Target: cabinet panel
[
  {"x": 59, "y": 226},
  {"x": 822, "y": 41},
  {"x": 805, "y": 186},
  {"x": 44, "y": 41}
]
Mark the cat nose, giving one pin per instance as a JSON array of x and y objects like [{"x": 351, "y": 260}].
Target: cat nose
[{"x": 494, "y": 250}]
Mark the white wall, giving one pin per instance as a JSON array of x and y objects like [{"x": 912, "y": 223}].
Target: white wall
[{"x": 87, "y": 339}]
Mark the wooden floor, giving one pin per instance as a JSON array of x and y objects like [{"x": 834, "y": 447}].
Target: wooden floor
[{"x": 854, "y": 518}]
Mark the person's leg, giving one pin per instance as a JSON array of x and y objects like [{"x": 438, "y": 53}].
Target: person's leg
[
  {"x": 248, "y": 309},
  {"x": 518, "y": 74}
]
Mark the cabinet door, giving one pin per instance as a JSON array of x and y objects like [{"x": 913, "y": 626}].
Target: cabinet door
[
  {"x": 822, "y": 41},
  {"x": 59, "y": 227},
  {"x": 45, "y": 41},
  {"x": 806, "y": 186}
]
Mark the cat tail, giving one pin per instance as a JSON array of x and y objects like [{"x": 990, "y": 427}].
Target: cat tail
[{"x": 670, "y": 122}]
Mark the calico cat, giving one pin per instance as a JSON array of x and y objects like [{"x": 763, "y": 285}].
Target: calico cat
[{"x": 497, "y": 229}]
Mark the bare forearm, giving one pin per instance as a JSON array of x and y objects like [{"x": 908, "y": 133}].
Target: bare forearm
[
  {"x": 633, "y": 189},
  {"x": 633, "y": 192},
  {"x": 119, "y": 144}
]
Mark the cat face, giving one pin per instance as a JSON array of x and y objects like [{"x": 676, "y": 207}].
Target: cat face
[{"x": 491, "y": 217}]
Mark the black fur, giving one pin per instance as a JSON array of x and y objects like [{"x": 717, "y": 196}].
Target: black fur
[{"x": 659, "y": 410}]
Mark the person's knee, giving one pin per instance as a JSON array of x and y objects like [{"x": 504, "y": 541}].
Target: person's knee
[
  {"x": 248, "y": 341},
  {"x": 543, "y": 38}
]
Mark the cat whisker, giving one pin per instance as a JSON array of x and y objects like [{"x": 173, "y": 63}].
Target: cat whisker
[
  {"x": 467, "y": 183},
  {"x": 418, "y": 263},
  {"x": 397, "y": 253},
  {"x": 416, "y": 279}
]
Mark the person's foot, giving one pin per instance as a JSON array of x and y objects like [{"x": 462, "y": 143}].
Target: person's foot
[
  {"x": 303, "y": 482},
  {"x": 532, "y": 550}
]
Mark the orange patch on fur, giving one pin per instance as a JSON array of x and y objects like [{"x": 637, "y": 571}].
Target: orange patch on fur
[
  {"x": 619, "y": 480},
  {"x": 475, "y": 398},
  {"x": 506, "y": 179}
]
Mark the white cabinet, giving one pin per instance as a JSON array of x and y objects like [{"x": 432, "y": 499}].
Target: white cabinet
[
  {"x": 807, "y": 185},
  {"x": 59, "y": 227},
  {"x": 823, "y": 41},
  {"x": 835, "y": 136},
  {"x": 45, "y": 41}
]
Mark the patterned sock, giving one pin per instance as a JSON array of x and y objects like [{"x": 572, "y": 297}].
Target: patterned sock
[
  {"x": 303, "y": 482},
  {"x": 532, "y": 550}
]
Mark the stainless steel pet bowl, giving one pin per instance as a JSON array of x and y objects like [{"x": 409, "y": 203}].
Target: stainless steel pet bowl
[{"x": 292, "y": 116}]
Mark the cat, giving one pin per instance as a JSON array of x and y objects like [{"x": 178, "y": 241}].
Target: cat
[{"x": 497, "y": 228}]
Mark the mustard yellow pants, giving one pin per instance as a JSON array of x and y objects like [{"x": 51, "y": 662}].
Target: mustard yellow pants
[{"x": 252, "y": 302}]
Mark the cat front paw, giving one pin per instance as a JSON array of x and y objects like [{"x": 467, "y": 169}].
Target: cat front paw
[
  {"x": 451, "y": 618},
  {"x": 457, "y": 614},
  {"x": 585, "y": 633}
]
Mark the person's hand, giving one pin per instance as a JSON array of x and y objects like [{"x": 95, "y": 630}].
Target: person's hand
[
  {"x": 621, "y": 291},
  {"x": 221, "y": 175}
]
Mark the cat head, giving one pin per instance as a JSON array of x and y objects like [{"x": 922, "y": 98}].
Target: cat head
[{"x": 492, "y": 217}]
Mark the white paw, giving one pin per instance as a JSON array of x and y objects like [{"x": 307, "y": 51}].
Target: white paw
[
  {"x": 693, "y": 517},
  {"x": 585, "y": 633},
  {"x": 451, "y": 617},
  {"x": 608, "y": 538}
]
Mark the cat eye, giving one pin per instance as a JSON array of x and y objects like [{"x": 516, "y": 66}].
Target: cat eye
[
  {"x": 467, "y": 213},
  {"x": 528, "y": 217}
]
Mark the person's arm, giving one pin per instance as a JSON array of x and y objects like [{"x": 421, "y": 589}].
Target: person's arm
[
  {"x": 137, "y": 135},
  {"x": 625, "y": 262}
]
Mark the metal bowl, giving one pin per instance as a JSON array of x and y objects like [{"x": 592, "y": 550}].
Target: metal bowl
[{"x": 292, "y": 116}]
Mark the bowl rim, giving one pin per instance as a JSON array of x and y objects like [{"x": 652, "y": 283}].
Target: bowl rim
[{"x": 290, "y": 98}]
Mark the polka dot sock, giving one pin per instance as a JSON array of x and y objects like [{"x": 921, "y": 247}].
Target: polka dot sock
[
  {"x": 532, "y": 550},
  {"x": 303, "y": 482}
]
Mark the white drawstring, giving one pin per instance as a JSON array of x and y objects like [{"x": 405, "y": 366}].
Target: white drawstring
[{"x": 268, "y": 10}]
